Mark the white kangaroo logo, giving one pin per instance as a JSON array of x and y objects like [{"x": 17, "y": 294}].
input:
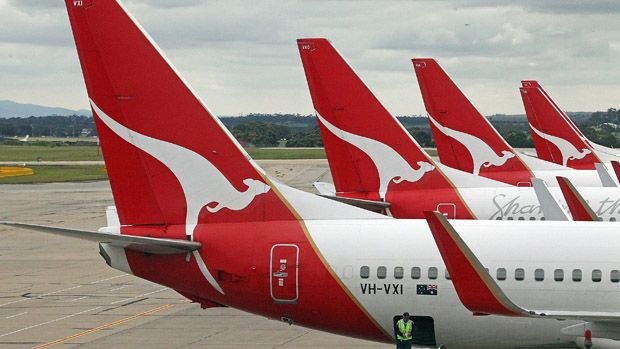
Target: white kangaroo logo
[
  {"x": 201, "y": 181},
  {"x": 390, "y": 165},
  {"x": 481, "y": 153},
  {"x": 566, "y": 148}
]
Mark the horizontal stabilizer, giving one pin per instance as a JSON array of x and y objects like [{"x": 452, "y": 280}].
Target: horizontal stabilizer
[
  {"x": 551, "y": 208},
  {"x": 370, "y": 205},
  {"x": 137, "y": 243},
  {"x": 604, "y": 175},
  {"x": 325, "y": 188},
  {"x": 528, "y": 153},
  {"x": 476, "y": 288},
  {"x": 579, "y": 208}
]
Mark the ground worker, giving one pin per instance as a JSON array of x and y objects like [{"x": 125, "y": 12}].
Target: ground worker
[{"x": 404, "y": 332}]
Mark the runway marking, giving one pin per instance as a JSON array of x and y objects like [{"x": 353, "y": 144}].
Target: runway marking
[
  {"x": 48, "y": 322},
  {"x": 40, "y": 296},
  {"x": 103, "y": 327},
  {"x": 16, "y": 315},
  {"x": 110, "y": 278},
  {"x": 141, "y": 295},
  {"x": 119, "y": 288},
  {"x": 77, "y": 299}
]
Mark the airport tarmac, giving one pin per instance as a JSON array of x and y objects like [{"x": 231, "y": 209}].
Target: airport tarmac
[{"x": 57, "y": 292}]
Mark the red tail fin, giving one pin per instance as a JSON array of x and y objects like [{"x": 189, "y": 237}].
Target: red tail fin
[
  {"x": 534, "y": 83},
  {"x": 465, "y": 139},
  {"x": 368, "y": 150},
  {"x": 168, "y": 158},
  {"x": 554, "y": 137}
]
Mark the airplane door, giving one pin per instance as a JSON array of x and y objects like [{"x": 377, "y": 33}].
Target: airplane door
[
  {"x": 447, "y": 209},
  {"x": 284, "y": 273}
]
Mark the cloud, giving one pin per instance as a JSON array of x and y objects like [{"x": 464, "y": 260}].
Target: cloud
[{"x": 241, "y": 57}]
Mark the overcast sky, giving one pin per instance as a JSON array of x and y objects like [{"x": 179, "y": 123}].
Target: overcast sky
[{"x": 241, "y": 56}]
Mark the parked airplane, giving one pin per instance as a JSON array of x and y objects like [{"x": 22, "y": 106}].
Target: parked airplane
[
  {"x": 197, "y": 214},
  {"x": 375, "y": 163},
  {"x": 556, "y": 137},
  {"x": 467, "y": 141},
  {"x": 15, "y": 138}
]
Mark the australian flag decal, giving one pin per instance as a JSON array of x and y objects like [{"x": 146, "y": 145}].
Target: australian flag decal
[{"x": 426, "y": 290}]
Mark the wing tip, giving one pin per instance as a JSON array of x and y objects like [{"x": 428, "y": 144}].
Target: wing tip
[{"x": 579, "y": 208}]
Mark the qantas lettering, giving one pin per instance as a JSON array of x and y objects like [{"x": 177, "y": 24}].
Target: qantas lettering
[
  {"x": 510, "y": 207},
  {"x": 609, "y": 207},
  {"x": 388, "y": 289}
]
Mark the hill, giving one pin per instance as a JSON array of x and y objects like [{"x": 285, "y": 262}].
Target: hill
[{"x": 10, "y": 109}]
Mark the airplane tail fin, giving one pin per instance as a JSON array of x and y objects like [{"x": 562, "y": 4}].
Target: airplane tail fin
[
  {"x": 368, "y": 150},
  {"x": 536, "y": 84},
  {"x": 169, "y": 159},
  {"x": 555, "y": 136},
  {"x": 358, "y": 132},
  {"x": 465, "y": 139}
]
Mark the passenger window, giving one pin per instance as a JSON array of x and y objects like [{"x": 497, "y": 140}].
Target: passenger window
[
  {"x": 398, "y": 272},
  {"x": 381, "y": 272},
  {"x": 510, "y": 218},
  {"x": 519, "y": 274},
  {"x": 543, "y": 218},
  {"x": 415, "y": 273},
  {"x": 597, "y": 275},
  {"x": 532, "y": 218},
  {"x": 558, "y": 275},
  {"x": 501, "y": 274},
  {"x": 539, "y": 275},
  {"x": 498, "y": 218},
  {"x": 521, "y": 218},
  {"x": 577, "y": 275},
  {"x": 612, "y": 219},
  {"x": 448, "y": 275},
  {"x": 365, "y": 272},
  {"x": 615, "y": 276},
  {"x": 432, "y": 273}
]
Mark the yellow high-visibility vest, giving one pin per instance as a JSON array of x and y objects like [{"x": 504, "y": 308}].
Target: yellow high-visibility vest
[{"x": 404, "y": 327}]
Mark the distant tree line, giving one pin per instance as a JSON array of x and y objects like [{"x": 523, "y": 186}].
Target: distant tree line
[
  {"x": 48, "y": 126},
  {"x": 295, "y": 130}
]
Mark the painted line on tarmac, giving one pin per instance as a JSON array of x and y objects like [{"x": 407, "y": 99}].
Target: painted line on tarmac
[
  {"x": 40, "y": 296},
  {"x": 110, "y": 278},
  {"x": 141, "y": 295},
  {"x": 48, "y": 322},
  {"x": 119, "y": 288},
  {"x": 105, "y": 326},
  {"x": 16, "y": 315}
]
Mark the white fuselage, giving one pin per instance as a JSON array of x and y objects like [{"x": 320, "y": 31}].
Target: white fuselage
[
  {"x": 548, "y": 172},
  {"x": 521, "y": 203},
  {"x": 349, "y": 245}
]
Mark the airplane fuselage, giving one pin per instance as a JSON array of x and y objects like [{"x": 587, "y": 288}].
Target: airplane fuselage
[
  {"x": 318, "y": 278},
  {"x": 494, "y": 203}
]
